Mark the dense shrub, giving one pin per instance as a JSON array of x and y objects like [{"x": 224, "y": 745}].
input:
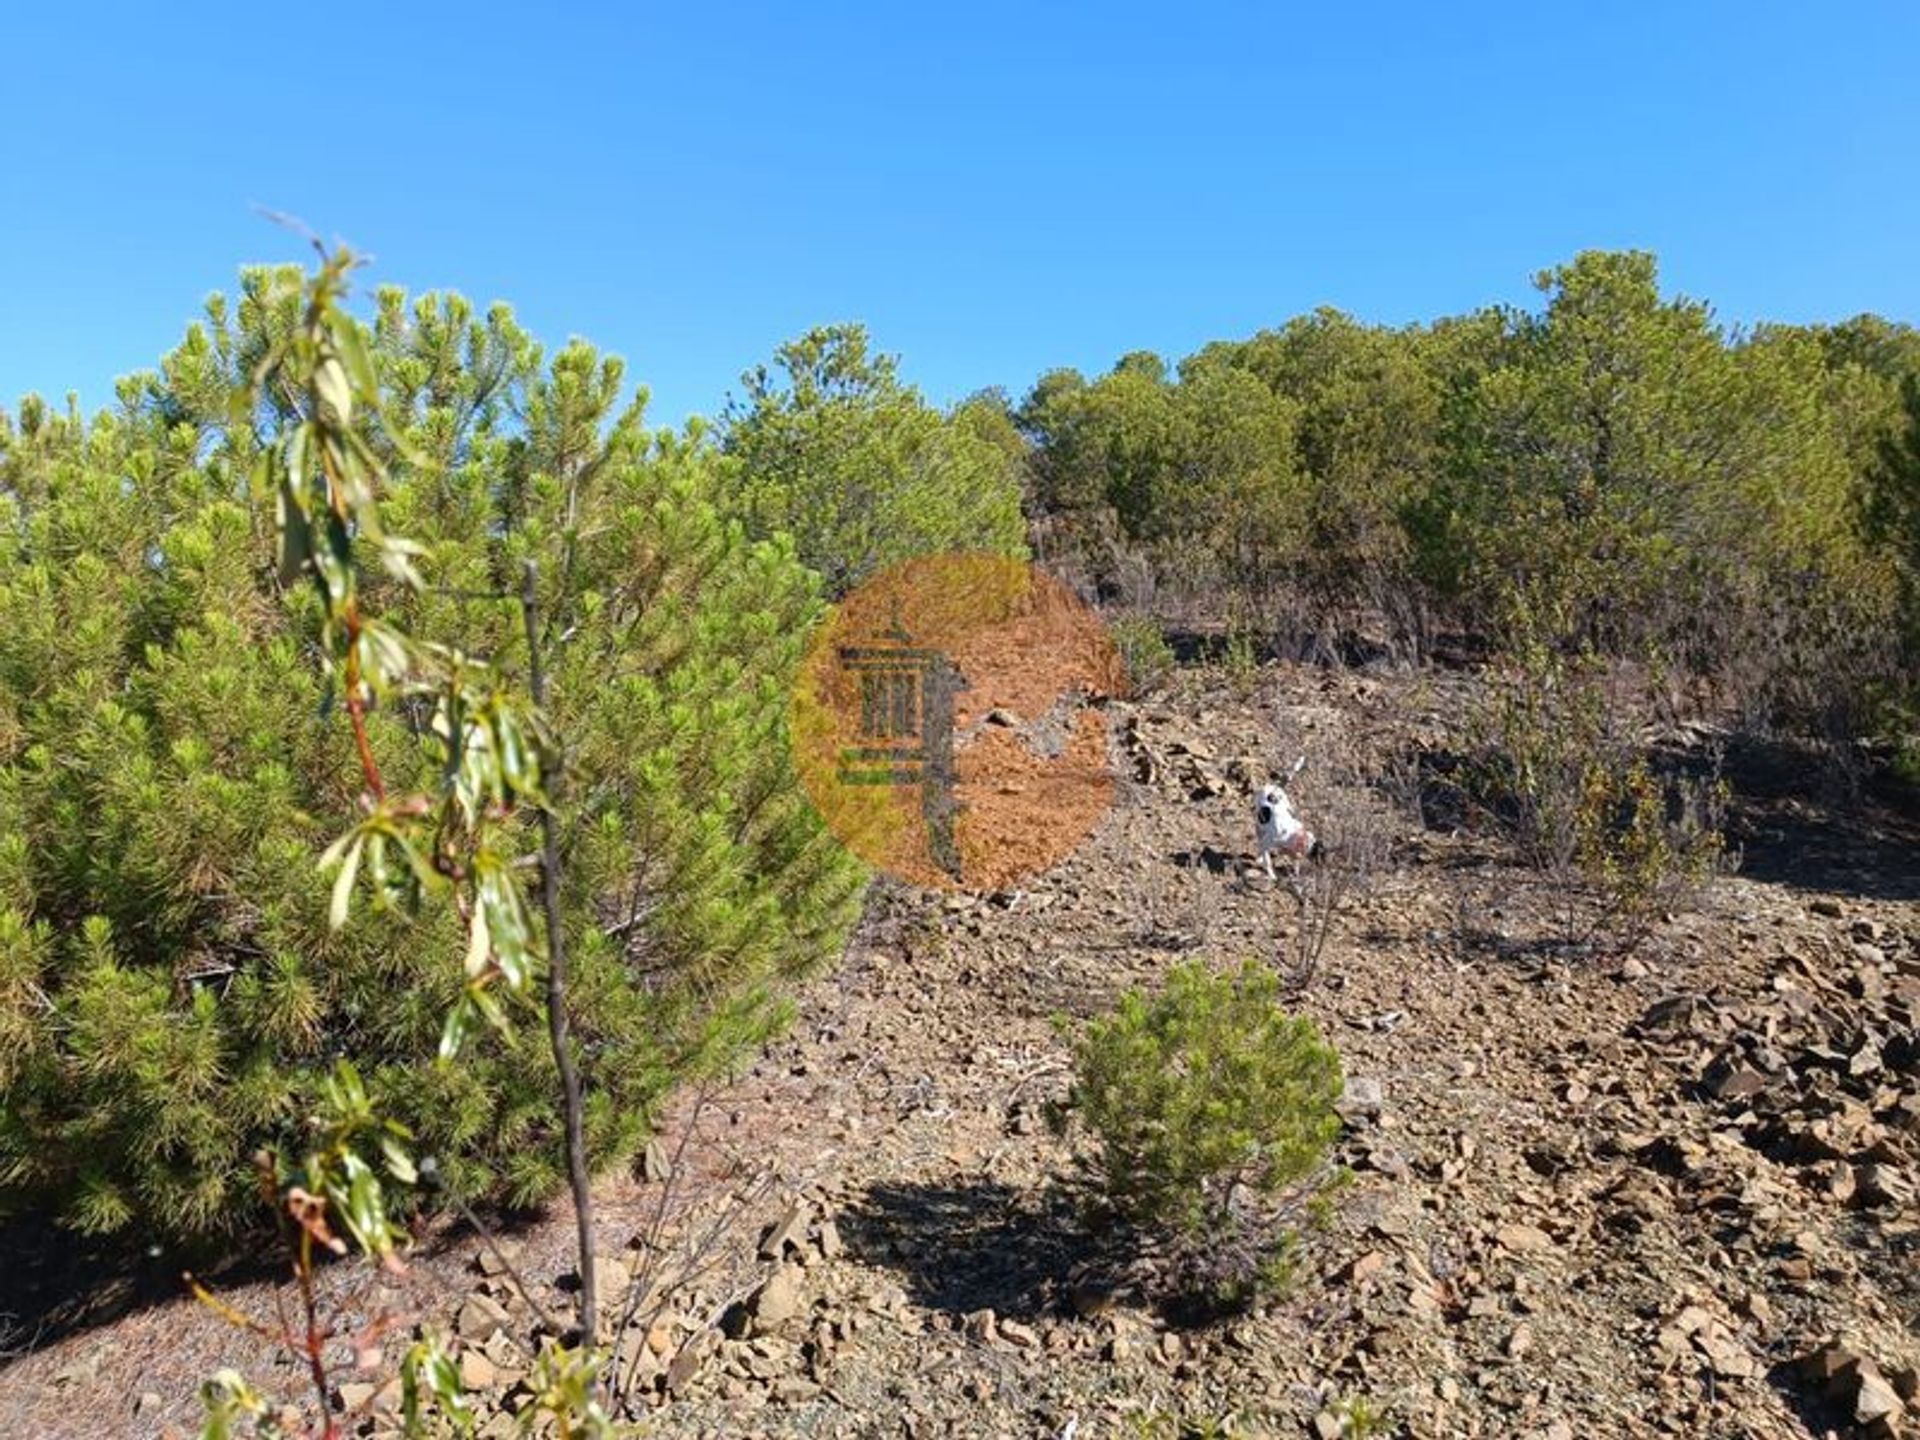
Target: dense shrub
[
  {"x": 1367, "y": 448},
  {"x": 1561, "y": 769},
  {"x": 1144, "y": 651},
  {"x": 1197, "y": 474},
  {"x": 1210, "y": 1111},
  {"x": 1893, "y": 501},
  {"x": 171, "y": 765},
  {"x": 1238, "y": 661},
  {"x": 1682, "y": 494}
]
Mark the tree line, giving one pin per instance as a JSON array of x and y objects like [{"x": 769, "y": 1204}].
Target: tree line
[{"x": 1731, "y": 507}]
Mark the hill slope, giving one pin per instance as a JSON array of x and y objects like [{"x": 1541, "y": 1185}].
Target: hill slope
[{"x": 1594, "y": 1198}]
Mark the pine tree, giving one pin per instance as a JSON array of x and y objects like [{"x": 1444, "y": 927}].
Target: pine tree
[
  {"x": 172, "y": 763},
  {"x": 832, "y": 448}
]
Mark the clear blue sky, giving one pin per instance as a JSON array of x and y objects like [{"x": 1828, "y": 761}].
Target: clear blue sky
[{"x": 994, "y": 189}]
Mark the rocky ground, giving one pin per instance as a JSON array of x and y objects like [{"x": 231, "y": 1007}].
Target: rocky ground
[{"x": 1671, "y": 1193}]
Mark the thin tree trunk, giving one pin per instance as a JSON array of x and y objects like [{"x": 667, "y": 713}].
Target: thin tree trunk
[{"x": 557, "y": 990}]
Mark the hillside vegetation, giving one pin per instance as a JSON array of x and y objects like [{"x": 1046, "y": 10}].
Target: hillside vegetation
[
  {"x": 1716, "y": 505},
  {"x": 1649, "y": 541}
]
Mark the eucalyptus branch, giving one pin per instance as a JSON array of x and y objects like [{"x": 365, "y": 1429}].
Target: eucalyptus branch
[
  {"x": 557, "y": 989},
  {"x": 454, "y": 839}
]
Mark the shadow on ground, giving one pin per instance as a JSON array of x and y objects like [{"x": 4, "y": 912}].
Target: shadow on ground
[
  {"x": 1795, "y": 819},
  {"x": 55, "y": 1284},
  {"x": 1798, "y": 828},
  {"x": 970, "y": 1245},
  {"x": 1820, "y": 1414},
  {"x": 59, "y": 1283},
  {"x": 1209, "y": 858}
]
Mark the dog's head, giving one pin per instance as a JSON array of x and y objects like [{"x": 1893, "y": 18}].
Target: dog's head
[{"x": 1270, "y": 799}]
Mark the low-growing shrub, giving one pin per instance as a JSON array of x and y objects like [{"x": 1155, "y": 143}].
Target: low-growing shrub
[
  {"x": 1240, "y": 661},
  {"x": 1210, "y": 1110},
  {"x": 1183, "y": 1424},
  {"x": 1617, "y": 843},
  {"x": 1144, "y": 651},
  {"x": 1648, "y": 845}
]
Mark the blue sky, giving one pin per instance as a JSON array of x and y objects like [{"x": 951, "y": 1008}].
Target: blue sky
[{"x": 994, "y": 189}]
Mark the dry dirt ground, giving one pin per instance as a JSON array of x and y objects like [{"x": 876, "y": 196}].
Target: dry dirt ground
[{"x": 1668, "y": 1194}]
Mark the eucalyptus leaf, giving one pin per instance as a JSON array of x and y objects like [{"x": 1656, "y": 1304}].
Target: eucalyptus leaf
[{"x": 343, "y": 884}]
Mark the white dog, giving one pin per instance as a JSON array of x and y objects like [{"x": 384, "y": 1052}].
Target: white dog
[{"x": 1278, "y": 827}]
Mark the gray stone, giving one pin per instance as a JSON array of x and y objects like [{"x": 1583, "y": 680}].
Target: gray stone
[
  {"x": 655, "y": 1163},
  {"x": 789, "y": 1230},
  {"x": 1023, "y": 1337},
  {"x": 1876, "y": 1401},
  {"x": 480, "y": 1319},
  {"x": 1362, "y": 1096},
  {"x": 980, "y": 1325},
  {"x": 688, "y": 1362},
  {"x": 477, "y": 1372},
  {"x": 779, "y": 1301},
  {"x": 1523, "y": 1239}
]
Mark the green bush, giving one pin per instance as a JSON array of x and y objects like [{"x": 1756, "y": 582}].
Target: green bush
[
  {"x": 1210, "y": 1110},
  {"x": 172, "y": 764},
  {"x": 1616, "y": 843},
  {"x": 1144, "y": 651},
  {"x": 1196, "y": 475},
  {"x": 1240, "y": 661}
]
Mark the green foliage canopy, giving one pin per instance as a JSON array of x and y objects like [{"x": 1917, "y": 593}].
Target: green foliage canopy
[
  {"x": 1697, "y": 498},
  {"x": 1194, "y": 1096},
  {"x": 172, "y": 763},
  {"x": 830, "y": 447}
]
